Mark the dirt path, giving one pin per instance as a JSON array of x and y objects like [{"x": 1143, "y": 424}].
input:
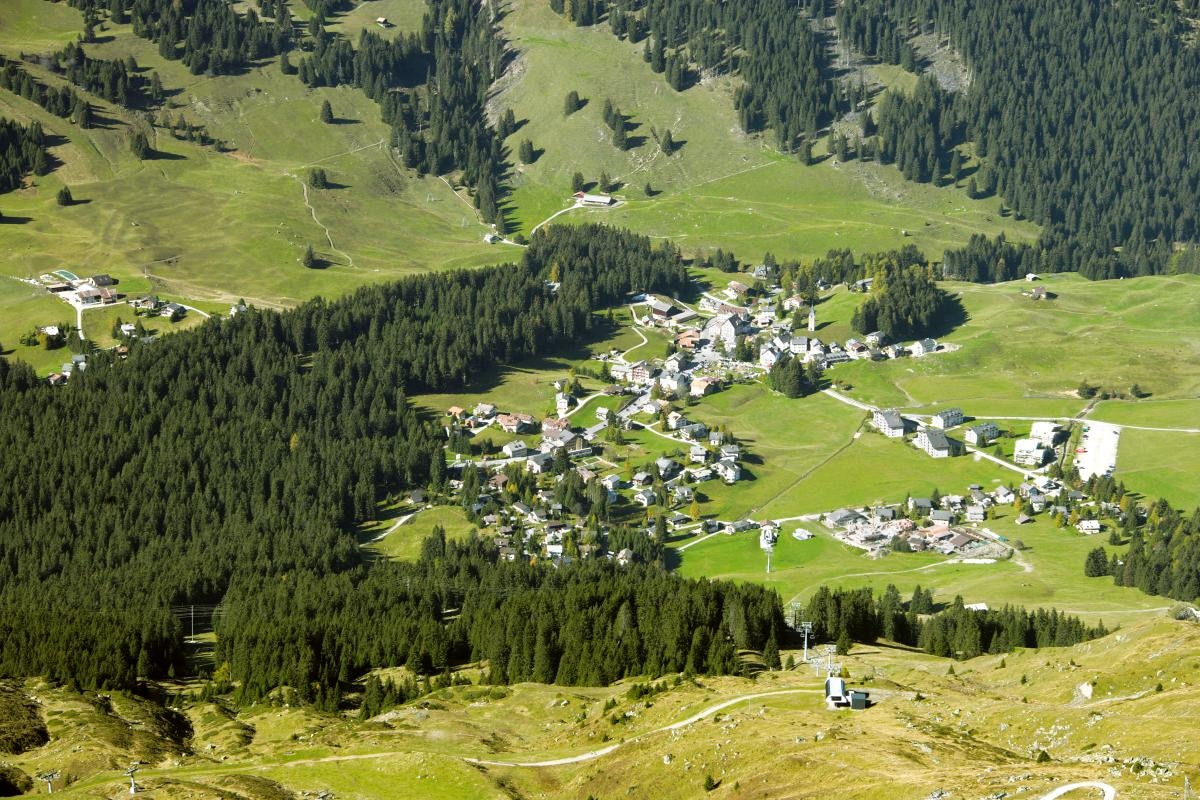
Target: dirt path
[
  {"x": 603, "y": 751},
  {"x": 313, "y": 211}
]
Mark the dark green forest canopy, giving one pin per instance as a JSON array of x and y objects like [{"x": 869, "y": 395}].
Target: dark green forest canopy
[
  {"x": 1086, "y": 113},
  {"x": 254, "y": 446},
  {"x": 22, "y": 151}
]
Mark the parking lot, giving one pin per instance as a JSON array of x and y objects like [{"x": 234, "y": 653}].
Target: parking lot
[{"x": 1098, "y": 444}]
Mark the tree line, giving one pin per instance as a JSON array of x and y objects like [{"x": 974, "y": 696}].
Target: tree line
[
  {"x": 209, "y": 36},
  {"x": 1079, "y": 111},
  {"x": 62, "y": 101},
  {"x": 250, "y": 449},
  {"x": 22, "y": 152},
  {"x": 846, "y": 615},
  {"x": 587, "y": 624}
]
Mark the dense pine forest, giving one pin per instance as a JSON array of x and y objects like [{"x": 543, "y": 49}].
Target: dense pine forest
[
  {"x": 22, "y": 152},
  {"x": 845, "y": 615},
  {"x": 1084, "y": 112},
  {"x": 251, "y": 448},
  {"x": 589, "y": 624}
]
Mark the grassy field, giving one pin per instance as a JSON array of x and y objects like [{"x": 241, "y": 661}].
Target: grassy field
[
  {"x": 974, "y": 728},
  {"x": 1026, "y": 358},
  {"x": 1161, "y": 464},
  {"x": 404, "y": 542}
]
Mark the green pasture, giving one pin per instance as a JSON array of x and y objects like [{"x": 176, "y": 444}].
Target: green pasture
[{"x": 1161, "y": 464}]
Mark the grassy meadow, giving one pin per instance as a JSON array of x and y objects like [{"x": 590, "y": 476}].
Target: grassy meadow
[{"x": 721, "y": 188}]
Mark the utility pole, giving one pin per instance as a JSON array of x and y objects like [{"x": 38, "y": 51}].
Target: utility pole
[
  {"x": 49, "y": 777},
  {"x": 130, "y": 773},
  {"x": 806, "y": 631}
]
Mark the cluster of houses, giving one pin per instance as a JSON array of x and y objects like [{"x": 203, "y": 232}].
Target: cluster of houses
[
  {"x": 152, "y": 304},
  {"x": 932, "y": 439},
  {"x": 737, "y": 315},
  {"x": 937, "y": 523}
]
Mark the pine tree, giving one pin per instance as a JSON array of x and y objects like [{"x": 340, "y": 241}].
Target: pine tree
[
  {"x": 64, "y": 198},
  {"x": 571, "y": 104},
  {"x": 309, "y": 259},
  {"x": 667, "y": 143},
  {"x": 326, "y": 112},
  {"x": 525, "y": 151},
  {"x": 139, "y": 145}
]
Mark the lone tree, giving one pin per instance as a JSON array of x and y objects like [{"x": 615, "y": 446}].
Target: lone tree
[
  {"x": 310, "y": 259},
  {"x": 667, "y": 143},
  {"x": 317, "y": 178},
  {"x": 326, "y": 112},
  {"x": 140, "y": 146},
  {"x": 572, "y": 103},
  {"x": 525, "y": 152},
  {"x": 1096, "y": 564},
  {"x": 577, "y": 182},
  {"x": 64, "y": 197}
]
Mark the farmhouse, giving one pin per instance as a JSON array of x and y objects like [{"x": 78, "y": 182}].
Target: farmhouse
[
  {"x": 947, "y": 418},
  {"x": 1088, "y": 526},
  {"x": 843, "y": 518},
  {"x": 935, "y": 443},
  {"x": 982, "y": 434},
  {"x": 583, "y": 198},
  {"x": 675, "y": 383},
  {"x": 923, "y": 347},
  {"x": 889, "y": 422},
  {"x": 704, "y": 386},
  {"x": 660, "y": 309},
  {"x": 484, "y": 411},
  {"x": 539, "y": 463}
]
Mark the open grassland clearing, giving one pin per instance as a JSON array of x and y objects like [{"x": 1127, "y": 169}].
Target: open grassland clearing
[
  {"x": 1161, "y": 464},
  {"x": 403, "y": 541},
  {"x": 721, "y": 188},
  {"x": 1024, "y": 357},
  {"x": 975, "y": 730}
]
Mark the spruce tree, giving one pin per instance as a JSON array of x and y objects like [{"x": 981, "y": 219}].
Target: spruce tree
[{"x": 326, "y": 112}]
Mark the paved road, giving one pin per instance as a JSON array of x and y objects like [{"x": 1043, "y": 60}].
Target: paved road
[
  {"x": 603, "y": 751},
  {"x": 1109, "y": 793}
]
